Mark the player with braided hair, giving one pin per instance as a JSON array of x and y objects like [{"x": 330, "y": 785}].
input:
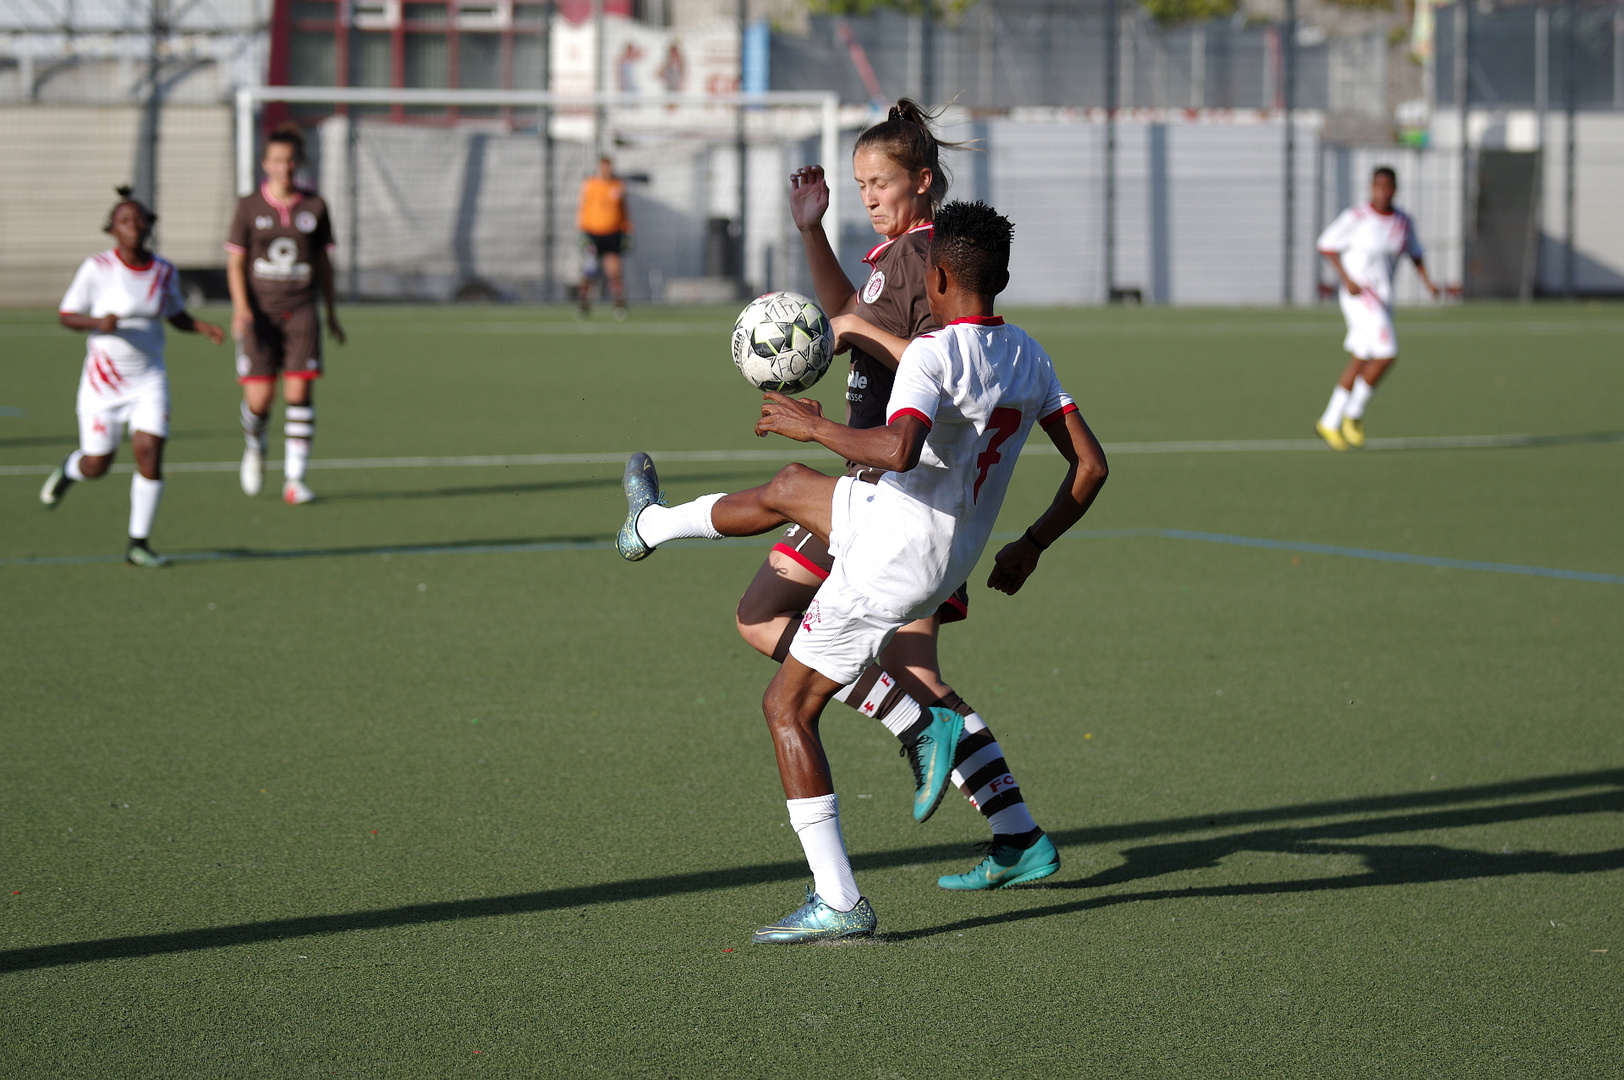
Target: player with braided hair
[{"x": 122, "y": 297}]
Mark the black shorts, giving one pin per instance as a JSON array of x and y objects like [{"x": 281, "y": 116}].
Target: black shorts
[
  {"x": 813, "y": 555},
  {"x": 286, "y": 343},
  {"x": 604, "y": 243}
]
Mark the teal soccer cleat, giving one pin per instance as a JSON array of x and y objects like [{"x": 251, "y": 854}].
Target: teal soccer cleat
[
  {"x": 817, "y": 921},
  {"x": 642, "y": 486},
  {"x": 931, "y": 758},
  {"x": 1007, "y": 865}
]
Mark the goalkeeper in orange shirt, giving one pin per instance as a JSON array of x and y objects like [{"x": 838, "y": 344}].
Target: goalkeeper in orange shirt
[{"x": 603, "y": 218}]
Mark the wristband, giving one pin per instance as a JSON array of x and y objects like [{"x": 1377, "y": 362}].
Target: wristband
[{"x": 1034, "y": 540}]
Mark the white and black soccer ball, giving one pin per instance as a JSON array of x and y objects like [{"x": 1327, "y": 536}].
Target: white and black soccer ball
[{"x": 782, "y": 342}]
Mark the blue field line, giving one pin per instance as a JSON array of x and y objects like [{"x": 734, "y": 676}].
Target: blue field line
[
  {"x": 1391, "y": 556},
  {"x": 527, "y": 547}
]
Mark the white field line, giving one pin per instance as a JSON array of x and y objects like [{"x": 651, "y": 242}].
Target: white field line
[
  {"x": 1259, "y": 328},
  {"x": 1214, "y": 446}
]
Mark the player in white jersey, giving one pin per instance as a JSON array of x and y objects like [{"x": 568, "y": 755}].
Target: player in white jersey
[
  {"x": 123, "y": 297},
  {"x": 965, "y": 398},
  {"x": 1363, "y": 245}
]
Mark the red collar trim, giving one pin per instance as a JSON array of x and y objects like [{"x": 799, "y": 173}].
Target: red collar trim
[
  {"x": 284, "y": 210},
  {"x": 1371, "y": 207},
  {"x": 151, "y": 259},
  {"x": 869, "y": 258},
  {"x": 980, "y": 320}
]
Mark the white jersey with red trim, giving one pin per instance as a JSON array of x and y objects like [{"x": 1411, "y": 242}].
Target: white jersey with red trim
[
  {"x": 980, "y": 385},
  {"x": 142, "y": 298},
  {"x": 1370, "y": 244}
]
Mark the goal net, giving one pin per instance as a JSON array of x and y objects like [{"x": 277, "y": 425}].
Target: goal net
[{"x": 472, "y": 194}]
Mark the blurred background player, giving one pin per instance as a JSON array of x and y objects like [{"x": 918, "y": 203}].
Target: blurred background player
[
  {"x": 276, "y": 263},
  {"x": 604, "y": 220},
  {"x": 122, "y": 297},
  {"x": 897, "y": 166},
  {"x": 1363, "y": 246}
]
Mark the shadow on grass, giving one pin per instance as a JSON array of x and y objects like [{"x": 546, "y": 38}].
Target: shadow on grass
[
  {"x": 70, "y": 439},
  {"x": 1385, "y": 865},
  {"x": 536, "y": 488}
]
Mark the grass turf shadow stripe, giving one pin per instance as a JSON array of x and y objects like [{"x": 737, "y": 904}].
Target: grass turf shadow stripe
[{"x": 1418, "y": 864}]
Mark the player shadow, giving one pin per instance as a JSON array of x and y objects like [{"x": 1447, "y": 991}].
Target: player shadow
[
  {"x": 1268, "y": 830},
  {"x": 70, "y": 439},
  {"x": 517, "y": 544},
  {"x": 535, "y": 488},
  {"x": 1384, "y": 863}
]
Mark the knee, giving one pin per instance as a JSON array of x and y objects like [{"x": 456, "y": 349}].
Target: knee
[
  {"x": 783, "y": 712},
  {"x": 783, "y": 484},
  {"x": 756, "y": 632},
  {"x": 92, "y": 468}
]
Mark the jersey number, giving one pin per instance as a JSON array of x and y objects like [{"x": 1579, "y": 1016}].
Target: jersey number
[{"x": 1003, "y": 423}]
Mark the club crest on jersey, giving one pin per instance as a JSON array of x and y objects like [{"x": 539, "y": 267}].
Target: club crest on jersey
[
  {"x": 263, "y": 221},
  {"x": 812, "y": 617},
  {"x": 874, "y": 286},
  {"x": 304, "y": 221}
]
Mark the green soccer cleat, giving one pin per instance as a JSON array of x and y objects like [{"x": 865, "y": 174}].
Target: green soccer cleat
[
  {"x": 642, "y": 486},
  {"x": 1007, "y": 865},
  {"x": 931, "y": 759},
  {"x": 139, "y": 554},
  {"x": 56, "y": 485},
  {"x": 817, "y": 921}
]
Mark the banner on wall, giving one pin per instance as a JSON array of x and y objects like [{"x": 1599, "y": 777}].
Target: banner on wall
[{"x": 642, "y": 59}]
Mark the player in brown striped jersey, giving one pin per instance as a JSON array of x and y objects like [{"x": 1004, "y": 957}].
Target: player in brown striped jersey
[{"x": 277, "y": 261}]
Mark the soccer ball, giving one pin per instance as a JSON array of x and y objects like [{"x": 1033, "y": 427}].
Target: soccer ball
[{"x": 782, "y": 342}]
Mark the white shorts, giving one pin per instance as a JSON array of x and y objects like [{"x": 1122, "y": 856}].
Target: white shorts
[
  {"x": 1370, "y": 327},
  {"x": 108, "y": 405},
  {"x": 842, "y": 631}
]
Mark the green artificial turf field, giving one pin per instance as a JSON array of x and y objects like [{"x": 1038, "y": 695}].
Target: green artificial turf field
[{"x": 420, "y": 780}]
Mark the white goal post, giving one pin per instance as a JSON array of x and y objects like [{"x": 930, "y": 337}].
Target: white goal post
[{"x": 577, "y": 124}]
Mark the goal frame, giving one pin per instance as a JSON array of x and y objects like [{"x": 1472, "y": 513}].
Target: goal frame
[{"x": 248, "y": 98}]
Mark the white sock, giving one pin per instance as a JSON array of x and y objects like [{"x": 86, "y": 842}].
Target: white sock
[
  {"x": 1333, "y": 412},
  {"x": 1357, "y": 399},
  {"x": 298, "y": 428},
  {"x": 71, "y": 466},
  {"x": 253, "y": 428},
  {"x": 817, "y": 822},
  {"x": 144, "y": 496},
  {"x": 903, "y": 711},
  {"x": 657, "y": 524}
]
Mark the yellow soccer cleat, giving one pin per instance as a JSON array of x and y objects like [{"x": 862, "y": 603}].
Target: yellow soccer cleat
[
  {"x": 1331, "y": 436},
  {"x": 1353, "y": 432}
]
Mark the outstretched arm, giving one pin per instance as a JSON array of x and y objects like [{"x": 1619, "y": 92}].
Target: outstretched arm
[
  {"x": 894, "y": 448},
  {"x": 855, "y": 330},
  {"x": 95, "y": 324},
  {"x": 808, "y": 201},
  {"x": 1426, "y": 279},
  {"x": 184, "y": 321},
  {"x": 1015, "y": 563}
]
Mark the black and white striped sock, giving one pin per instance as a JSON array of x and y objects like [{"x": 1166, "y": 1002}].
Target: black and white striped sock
[
  {"x": 982, "y": 774},
  {"x": 298, "y": 428}
]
